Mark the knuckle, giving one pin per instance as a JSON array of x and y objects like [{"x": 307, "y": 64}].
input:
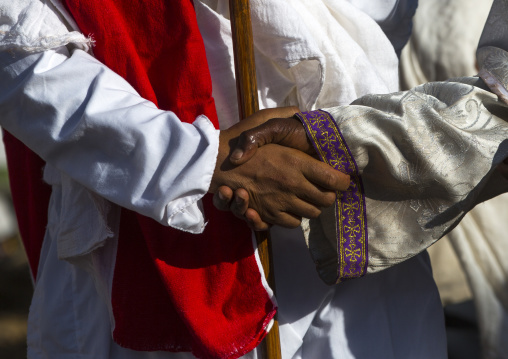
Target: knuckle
[
  {"x": 251, "y": 138},
  {"x": 294, "y": 161},
  {"x": 346, "y": 182},
  {"x": 291, "y": 184},
  {"x": 246, "y": 139},
  {"x": 330, "y": 179}
]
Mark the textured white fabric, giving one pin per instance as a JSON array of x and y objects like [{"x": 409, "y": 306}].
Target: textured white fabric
[
  {"x": 34, "y": 26},
  {"x": 309, "y": 53},
  {"x": 479, "y": 240},
  {"x": 107, "y": 138},
  {"x": 414, "y": 151},
  {"x": 394, "y": 16},
  {"x": 430, "y": 56},
  {"x": 480, "y": 244}
]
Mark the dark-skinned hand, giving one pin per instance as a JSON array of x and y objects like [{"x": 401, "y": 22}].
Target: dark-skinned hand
[
  {"x": 287, "y": 132},
  {"x": 277, "y": 184}
]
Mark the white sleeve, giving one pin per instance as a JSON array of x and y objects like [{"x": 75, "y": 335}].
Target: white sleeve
[{"x": 89, "y": 123}]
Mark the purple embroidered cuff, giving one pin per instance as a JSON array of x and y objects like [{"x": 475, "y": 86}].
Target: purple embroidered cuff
[{"x": 350, "y": 211}]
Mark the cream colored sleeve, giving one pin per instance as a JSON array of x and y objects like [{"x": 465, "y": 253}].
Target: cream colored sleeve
[{"x": 425, "y": 157}]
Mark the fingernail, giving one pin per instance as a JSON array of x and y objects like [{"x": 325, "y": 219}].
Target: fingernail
[
  {"x": 238, "y": 200},
  {"x": 221, "y": 197},
  {"x": 237, "y": 154}
]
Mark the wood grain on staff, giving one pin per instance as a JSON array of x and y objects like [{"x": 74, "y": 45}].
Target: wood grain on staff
[{"x": 247, "y": 91}]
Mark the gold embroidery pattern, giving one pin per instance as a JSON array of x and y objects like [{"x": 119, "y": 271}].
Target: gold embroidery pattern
[{"x": 350, "y": 209}]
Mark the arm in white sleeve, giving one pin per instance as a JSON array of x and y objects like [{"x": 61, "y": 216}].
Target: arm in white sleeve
[
  {"x": 419, "y": 161},
  {"x": 89, "y": 123}
]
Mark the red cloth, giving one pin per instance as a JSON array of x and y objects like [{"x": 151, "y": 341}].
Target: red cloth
[
  {"x": 171, "y": 290},
  {"x": 30, "y": 196}
]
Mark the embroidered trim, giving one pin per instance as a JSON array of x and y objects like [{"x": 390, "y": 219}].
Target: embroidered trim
[{"x": 351, "y": 214}]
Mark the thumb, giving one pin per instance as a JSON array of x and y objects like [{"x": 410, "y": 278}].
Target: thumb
[
  {"x": 287, "y": 132},
  {"x": 276, "y": 130},
  {"x": 249, "y": 141}
]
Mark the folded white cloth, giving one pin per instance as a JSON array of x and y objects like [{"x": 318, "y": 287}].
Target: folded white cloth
[
  {"x": 310, "y": 54},
  {"x": 35, "y": 26}
]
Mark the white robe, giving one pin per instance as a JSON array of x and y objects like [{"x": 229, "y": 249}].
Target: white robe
[
  {"x": 342, "y": 54},
  {"x": 481, "y": 236}
]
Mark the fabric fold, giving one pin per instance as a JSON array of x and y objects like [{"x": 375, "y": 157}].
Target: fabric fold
[
  {"x": 29, "y": 33},
  {"x": 169, "y": 290},
  {"x": 414, "y": 151},
  {"x": 199, "y": 293}
]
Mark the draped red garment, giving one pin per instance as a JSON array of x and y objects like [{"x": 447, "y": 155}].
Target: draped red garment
[{"x": 172, "y": 290}]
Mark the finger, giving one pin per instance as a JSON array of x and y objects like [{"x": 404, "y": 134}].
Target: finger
[
  {"x": 247, "y": 144},
  {"x": 281, "y": 112},
  {"x": 288, "y": 111},
  {"x": 240, "y": 204},
  {"x": 287, "y": 220},
  {"x": 254, "y": 221},
  {"x": 318, "y": 196},
  {"x": 302, "y": 208},
  {"x": 290, "y": 212},
  {"x": 276, "y": 130},
  {"x": 318, "y": 183},
  {"x": 222, "y": 198},
  {"x": 272, "y": 131},
  {"x": 325, "y": 176}
]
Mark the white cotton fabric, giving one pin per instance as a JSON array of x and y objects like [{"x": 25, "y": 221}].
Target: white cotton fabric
[
  {"x": 34, "y": 26},
  {"x": 394, "y": 16},
  {"x": 309, "y": 53},
  {"x": 107, "y": 139},
  {"x": 479, "y": 242},
  {"x": 430, "y": 56}
]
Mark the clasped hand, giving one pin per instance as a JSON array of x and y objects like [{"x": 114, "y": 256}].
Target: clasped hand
[{"x": 265, "y": 172}]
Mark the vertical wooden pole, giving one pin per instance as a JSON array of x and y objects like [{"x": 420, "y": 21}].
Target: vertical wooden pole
[{"x": 246, "y": 85}]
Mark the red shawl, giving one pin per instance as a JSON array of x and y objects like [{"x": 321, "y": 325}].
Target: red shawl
[{"x": 171, "y": 290}]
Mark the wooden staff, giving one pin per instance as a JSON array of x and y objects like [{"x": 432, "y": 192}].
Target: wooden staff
[{"x": 246, "y": 86}]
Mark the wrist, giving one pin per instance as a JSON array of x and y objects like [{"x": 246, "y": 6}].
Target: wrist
[{"x": 219, "y": 177}]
